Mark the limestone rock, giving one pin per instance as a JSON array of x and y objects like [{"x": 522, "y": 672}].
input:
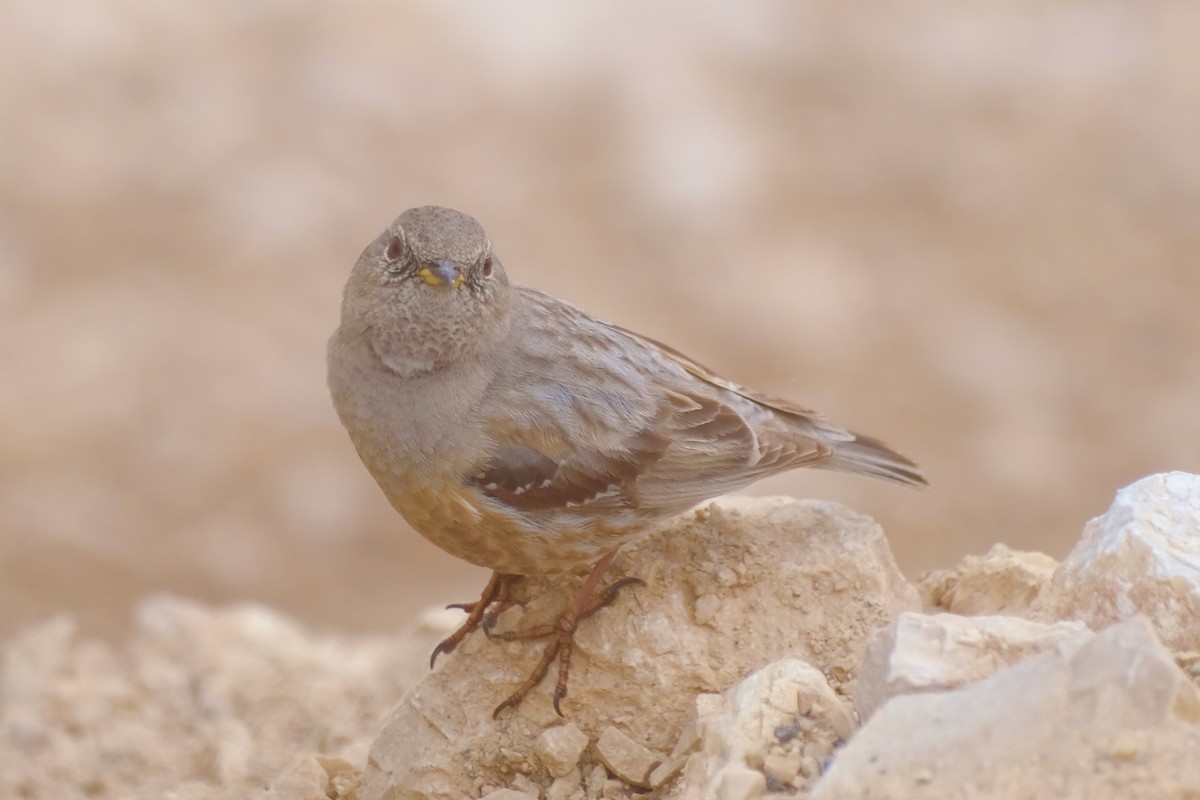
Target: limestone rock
[
  {"x": 509, "y": 794},
  {"x": 1106, "y": 716},
  {"x": 522, "y": 783},
  {"x": 625, "y": 758},
  {"x": 560, "y": 747},
  {"x": 1141, "y": 557},
  {"x": 735, "y": 585},
  {"x": 772, "y": 731},
  {"x": 922, "y": 653},
  {"x": 1002, "y": 581},
  {"x": 566, "y": 787},
  {"x": 316, "y": 778}
]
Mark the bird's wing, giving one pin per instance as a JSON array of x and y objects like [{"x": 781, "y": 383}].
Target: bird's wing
[
  {"x": 716, "y": 449},
  {"x": 695, "y": 447},
  {"x": 852, "y": 452},
  {"x": 604, "y": 420}
]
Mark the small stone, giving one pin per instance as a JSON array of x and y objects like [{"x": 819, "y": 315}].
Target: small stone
[
  {"x": 706, "y": 608},
  {"x": 614, "y": 790},
  {"x": 783, "y": 769},
  {"x": 513, "y": 758},
  {"x": 667, "y": 770},
  {"x": 740, "y": 783},
  {"x": 508, "y": 794},
  {"x": 522, "y": 783},
  {"x": 626, "y": 758},
  {"x": 596, "y": 780},
  {"x": 559, "y": 748},
  {"x": 305, "y": 779},
  {"x": 708, "y": 703},
  {"x": 661, "y": 637},
  {"x": 344, "y": 777},
  {"x": 689, "y": 738},
  {"x": 564, "y": 787},
  {"x": 1125, "y": 747},
  {"x": 816, "y": 750},
  {"x": 786, "y": 733}
]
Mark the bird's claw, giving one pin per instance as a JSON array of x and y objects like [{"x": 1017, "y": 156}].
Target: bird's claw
[{"x": 444, "y": 646}]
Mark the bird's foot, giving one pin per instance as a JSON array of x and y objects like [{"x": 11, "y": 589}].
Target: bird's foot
[
  {"x": 496, "y": 597},
  {"x": 561, "y": 634}
]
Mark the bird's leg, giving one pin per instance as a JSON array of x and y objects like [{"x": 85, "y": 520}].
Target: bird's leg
[
  {"x": 587, "y": 602},
  {"x": 496, "y": 597}
]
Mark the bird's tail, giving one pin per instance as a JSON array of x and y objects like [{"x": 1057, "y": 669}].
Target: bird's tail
[{"x": 868, "y": 456}]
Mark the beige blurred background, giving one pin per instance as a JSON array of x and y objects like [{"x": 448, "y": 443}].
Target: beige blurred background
[{"x": 970, "y": 229}]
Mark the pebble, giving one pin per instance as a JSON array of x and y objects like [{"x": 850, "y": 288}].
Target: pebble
[
  {"x": 559, "y": 748},
  {"x": 627, "y": 759}
]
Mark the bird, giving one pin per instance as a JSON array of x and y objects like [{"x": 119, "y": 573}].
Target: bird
[{"x": 521, "y": 434}]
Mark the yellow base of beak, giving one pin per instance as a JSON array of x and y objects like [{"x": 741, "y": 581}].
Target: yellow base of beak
[{"x": 433, "y": 279}]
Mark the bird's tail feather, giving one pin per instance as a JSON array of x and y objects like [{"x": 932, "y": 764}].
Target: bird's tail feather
[{"x": 868, "y": 456}]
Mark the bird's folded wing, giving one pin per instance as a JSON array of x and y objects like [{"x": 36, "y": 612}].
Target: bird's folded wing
[{"x": 693, "y": 447}]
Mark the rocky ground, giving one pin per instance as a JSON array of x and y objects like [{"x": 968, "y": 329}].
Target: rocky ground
[{"x": 775, "y": 650}]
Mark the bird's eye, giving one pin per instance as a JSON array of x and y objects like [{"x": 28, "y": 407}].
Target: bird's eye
[
  {"x": 395, "y": 249},
  {"x": 487, "y": 267}
]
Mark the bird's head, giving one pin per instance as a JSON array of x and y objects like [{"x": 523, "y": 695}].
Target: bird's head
[{"x": 429, "y": 290}]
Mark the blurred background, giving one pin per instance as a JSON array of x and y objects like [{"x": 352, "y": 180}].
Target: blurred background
[{"x": 970, "y": 230}]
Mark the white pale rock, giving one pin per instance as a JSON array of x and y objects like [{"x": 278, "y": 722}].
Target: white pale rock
[
  {"x": 596, "y": 781},
  {"x": 302, "y": 781},
  {"x": 628, "y": 760},
  {"x": 1141, "y": 557},
  {"x": 772, "y": 717},
  {"x": 924, "y": 653},
  {"x": 805, "y": 579},
  {"x": 740, "y": 783},
  {"x": 508, "y": 794},
  {"x": 313, "y": 777},
  {"x": 783, "y": 769},
  {"x": 522, "y": 783},
  {"x": 562, "y": 788},
  {"x": 1002, "y": 581},
  {"x": 560, "y": 747},
  {"x": 1106, "y": 716}
]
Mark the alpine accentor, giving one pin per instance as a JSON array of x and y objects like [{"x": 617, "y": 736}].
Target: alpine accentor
[{"x": 518, "y": 433}]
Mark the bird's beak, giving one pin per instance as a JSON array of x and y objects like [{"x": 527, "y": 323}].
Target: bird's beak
[{"x": 442, "y": 273}]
